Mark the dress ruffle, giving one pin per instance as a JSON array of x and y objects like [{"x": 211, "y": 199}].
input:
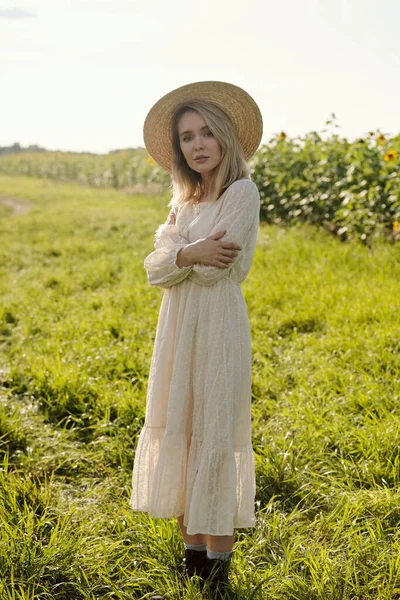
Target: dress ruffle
[{"x": 177, "y": 474}]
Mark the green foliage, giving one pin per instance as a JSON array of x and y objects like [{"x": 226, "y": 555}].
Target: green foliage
[
  {"x": 77, "y": 327},
  {"x": 352, "y": 189},
  {"x": 113, "y": 170}
]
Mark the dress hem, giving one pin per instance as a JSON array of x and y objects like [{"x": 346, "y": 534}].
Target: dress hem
[
  {"x": 177, "y": 473},
  {"x": 246, "y": 526}
]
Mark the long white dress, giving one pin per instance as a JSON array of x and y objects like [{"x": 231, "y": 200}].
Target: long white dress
[{"x": 194, "y": 455}]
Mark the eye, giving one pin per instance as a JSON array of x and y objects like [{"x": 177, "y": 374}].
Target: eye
[
  {"x": 186, "y": 138},
  {"x": 208, "y": 133}
]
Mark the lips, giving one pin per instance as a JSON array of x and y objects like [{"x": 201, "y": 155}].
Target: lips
[{"x": 201, "y": 157}]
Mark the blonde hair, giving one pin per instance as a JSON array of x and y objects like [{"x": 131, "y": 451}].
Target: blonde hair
[{"x": 187, "y": 185}]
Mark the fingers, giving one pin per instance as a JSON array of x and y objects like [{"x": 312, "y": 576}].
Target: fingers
[
  {"x": 226, "y": 243},
  {"x": 226, "y": 260},
  {"x": 171, "y": 218},
  {"x": 229, "y": 253}
]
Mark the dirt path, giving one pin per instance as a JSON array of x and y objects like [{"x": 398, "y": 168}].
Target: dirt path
[{"x": 18, "y": 207}]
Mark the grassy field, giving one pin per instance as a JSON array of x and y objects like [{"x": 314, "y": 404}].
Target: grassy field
[{"x": 77, "y": 327}]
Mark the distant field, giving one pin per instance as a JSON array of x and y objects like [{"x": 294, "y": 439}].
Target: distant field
[
  {"x": 77, "y": 327},
  {"x": 126, "y": 168},
  {"x": 351, "y": 189}
]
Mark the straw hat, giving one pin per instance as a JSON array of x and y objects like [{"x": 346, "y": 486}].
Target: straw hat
[{"x": 233, "y": 100}]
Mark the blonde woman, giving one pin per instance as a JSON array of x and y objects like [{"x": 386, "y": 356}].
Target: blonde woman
[{"x": 194, "y": 458}]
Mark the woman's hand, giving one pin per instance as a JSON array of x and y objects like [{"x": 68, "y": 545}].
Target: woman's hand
[
  {"x": 212, "y": 252},
  {"x": 206, "y": 251},
  {"x": 171, "y": 218}
]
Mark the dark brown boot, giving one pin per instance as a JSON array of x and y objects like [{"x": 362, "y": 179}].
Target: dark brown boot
[
  {"x": 194, "y": 562},
  {"x": 215, "y": 572}
]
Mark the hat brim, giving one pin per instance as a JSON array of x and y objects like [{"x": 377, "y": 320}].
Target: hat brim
[{"x": 233, "y": 100}]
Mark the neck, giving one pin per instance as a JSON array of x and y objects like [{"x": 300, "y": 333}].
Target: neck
[{"x": 206, "y": 183}]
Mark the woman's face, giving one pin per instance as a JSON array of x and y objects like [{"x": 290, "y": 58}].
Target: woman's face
[{"x": 196, "y": 140}]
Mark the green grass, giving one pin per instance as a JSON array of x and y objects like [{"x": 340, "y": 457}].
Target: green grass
[{"x": 77, "y": 327}]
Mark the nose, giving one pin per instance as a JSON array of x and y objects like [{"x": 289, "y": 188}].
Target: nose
[{"x": 199, "y": 144}]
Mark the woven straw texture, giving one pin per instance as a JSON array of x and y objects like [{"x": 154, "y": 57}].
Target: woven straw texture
[{"x": 237, "y": 104}]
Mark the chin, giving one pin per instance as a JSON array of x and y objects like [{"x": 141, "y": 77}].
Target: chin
[{"x": 203, "y": 168}]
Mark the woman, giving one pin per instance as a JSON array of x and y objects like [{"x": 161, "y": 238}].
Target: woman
[{"x": 194, "y": 458}]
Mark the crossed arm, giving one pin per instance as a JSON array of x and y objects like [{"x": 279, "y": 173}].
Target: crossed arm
[{"x": 238, "y": 215}]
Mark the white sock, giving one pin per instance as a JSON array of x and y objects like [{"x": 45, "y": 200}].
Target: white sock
[
  {"x": 198, "y": 547},
  {"x": 221, "y": 555}
]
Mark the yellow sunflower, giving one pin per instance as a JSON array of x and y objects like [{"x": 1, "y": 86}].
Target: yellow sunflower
[
  {"x": 381, "y": 139},
  {"x": 390, "y": 155}
]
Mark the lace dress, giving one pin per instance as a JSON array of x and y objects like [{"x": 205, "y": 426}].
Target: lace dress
[{"x": 194, "y": 455}]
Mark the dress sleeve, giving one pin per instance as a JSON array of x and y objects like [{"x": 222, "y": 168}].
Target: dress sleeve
[
  {"x": 160, "y": 265},
  {"x": 239, "y": 214}
]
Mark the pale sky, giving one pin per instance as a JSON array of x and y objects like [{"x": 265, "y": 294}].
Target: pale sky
[{"x": 82, "y": 74}]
